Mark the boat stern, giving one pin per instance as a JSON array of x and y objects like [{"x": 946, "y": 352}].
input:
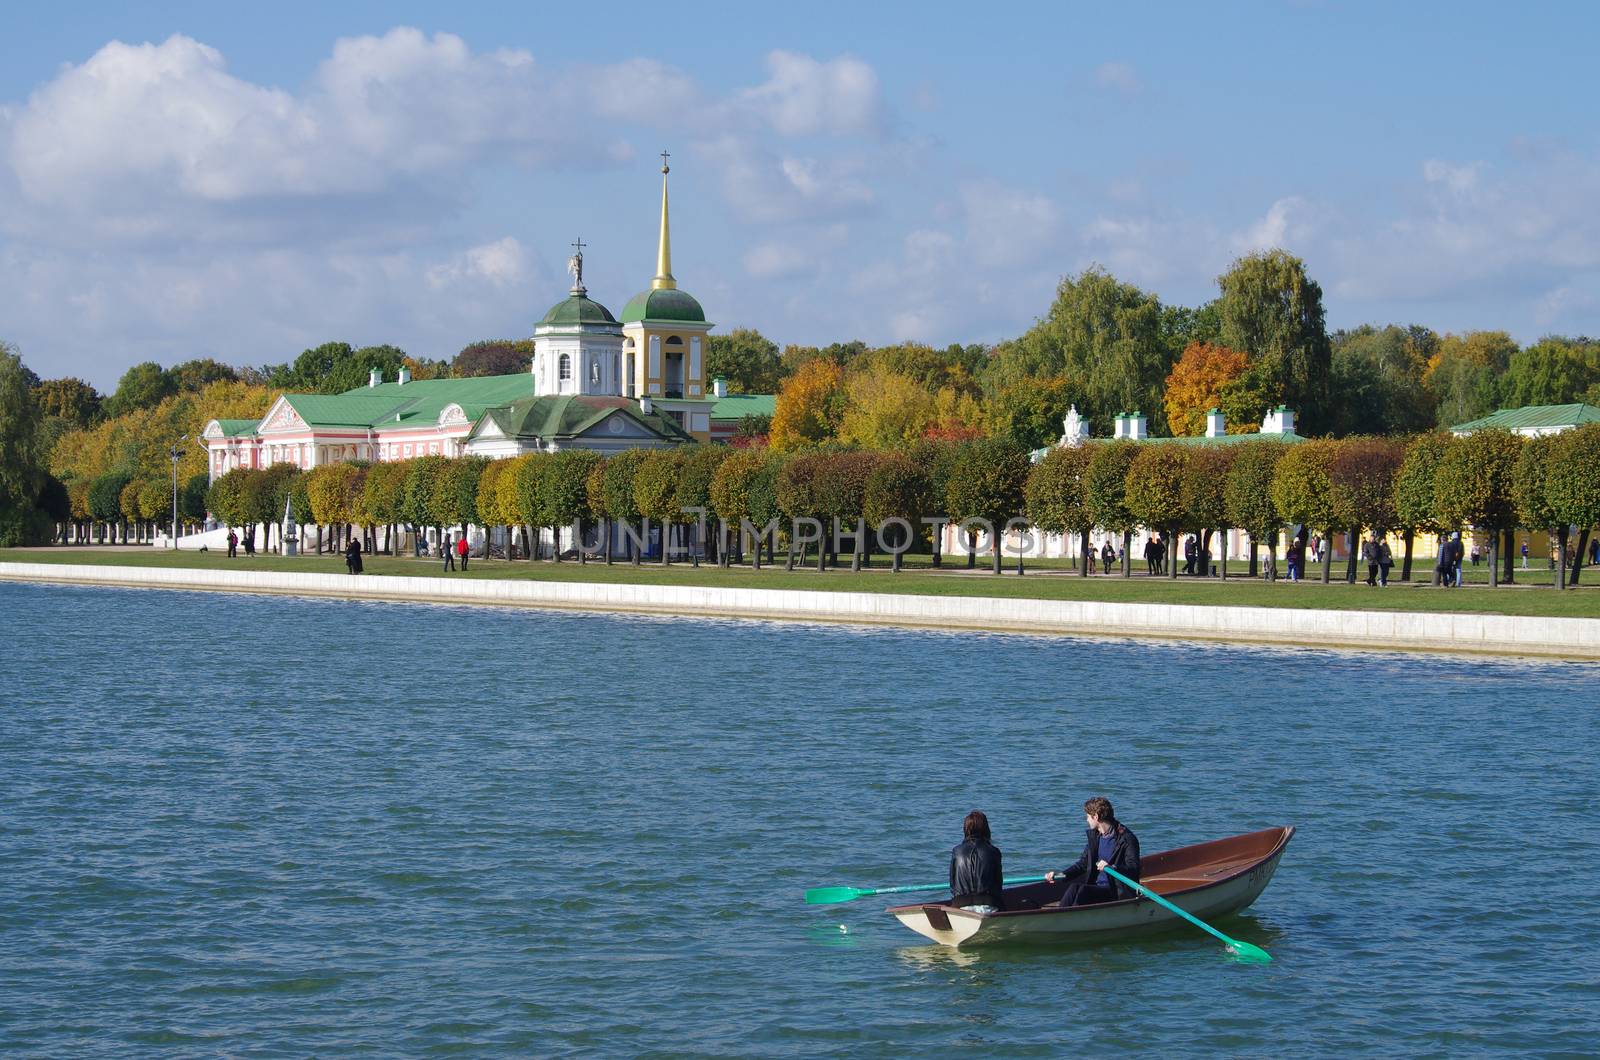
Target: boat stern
[{"x": 941, "y": 923}]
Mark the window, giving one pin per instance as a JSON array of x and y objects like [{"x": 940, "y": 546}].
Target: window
[{"x": 564, "y": 369}]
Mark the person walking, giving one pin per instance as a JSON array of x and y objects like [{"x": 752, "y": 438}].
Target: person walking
[
  {"x": 1385, "y": 561},
  {"x": 1369, "y": 554},
  {"x": 447, "y": 549},
  {"x": 1108, "y": 557},
  {"x": 1458, "y": 553},
  {"x": 352, "y": 557},
  {"x": 250, "y": 540},
  {"x": 1191, "y": 552},
  {"x": 1594, "y": 552},
  {"x": 1524, "y": 553},
  {"x": 463, "y": 549},
  {"x": 233, "y": 545}
]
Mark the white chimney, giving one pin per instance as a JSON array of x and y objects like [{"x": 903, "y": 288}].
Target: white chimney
[
  {"x": 374, "y": 377},
  {"x": 1214, "y": 425},
  {"x": 1117, "y": 429},
  {"x": 646, "y": 406},
  {"x": 1285, "y": 420},
  {"x": 719, "y": 387},
  {"x": 404, "y": 377},
  {"x": 1136, "y": 426}
]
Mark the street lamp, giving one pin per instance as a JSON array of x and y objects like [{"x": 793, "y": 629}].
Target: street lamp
[{"x": 172, "y": 531}]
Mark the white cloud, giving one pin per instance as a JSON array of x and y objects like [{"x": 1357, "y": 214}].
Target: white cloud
[
  {"x": 762, "y": 185},
  {"x": 1118, "y": 77},
  {"x": 806, "y": 97},
  {"x": 1008, "y": 226},
  {"x": 500, "y": 264}
]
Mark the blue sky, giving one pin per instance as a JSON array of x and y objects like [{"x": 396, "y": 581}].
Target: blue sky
[{"x": 189, "y": 180}]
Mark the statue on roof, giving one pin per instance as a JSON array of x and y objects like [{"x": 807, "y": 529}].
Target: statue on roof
[{"x": 575, "y": 266}]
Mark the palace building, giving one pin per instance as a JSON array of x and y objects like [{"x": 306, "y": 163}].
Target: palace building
[{"x": 597, "y": 382}]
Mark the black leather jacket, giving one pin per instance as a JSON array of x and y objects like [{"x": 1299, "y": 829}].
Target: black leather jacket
[
  {"x": 1124, "y": 858},
  {"x": 975, "y": 873}
]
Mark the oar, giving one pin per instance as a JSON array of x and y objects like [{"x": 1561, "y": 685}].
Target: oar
[
  {"x": 1242, "y": 950},
  {"x": 829, "y": 895}
]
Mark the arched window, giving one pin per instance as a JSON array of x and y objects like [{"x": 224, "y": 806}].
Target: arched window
[{"x": 564, "y": 367}]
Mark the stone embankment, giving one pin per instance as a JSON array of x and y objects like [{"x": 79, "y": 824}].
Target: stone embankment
[{"x": 1566, "y": 638}]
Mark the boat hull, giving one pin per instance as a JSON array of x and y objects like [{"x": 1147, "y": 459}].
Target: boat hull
[{"x": 1233, "y": 889}]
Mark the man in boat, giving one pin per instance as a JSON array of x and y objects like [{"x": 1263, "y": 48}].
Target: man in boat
[
  {"x": 975, "y": 867},
  {"x": 1108, "y": 842}
]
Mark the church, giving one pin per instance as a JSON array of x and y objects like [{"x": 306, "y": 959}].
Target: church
[{"x": 597, "y": 382}]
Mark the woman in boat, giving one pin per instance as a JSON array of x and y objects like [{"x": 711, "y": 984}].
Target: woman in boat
[
  {"x": 975, "y": 867},
  {"x": 1109, "y": 842}
]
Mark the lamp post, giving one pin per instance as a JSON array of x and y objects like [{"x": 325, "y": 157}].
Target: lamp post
[{"x": 173, "y": 529}]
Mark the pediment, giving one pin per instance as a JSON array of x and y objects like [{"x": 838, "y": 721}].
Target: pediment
[
  {"x": 617, "y": 425},
  {"x": 452, "y": 415},
  {"x": 282, "y": 417}
]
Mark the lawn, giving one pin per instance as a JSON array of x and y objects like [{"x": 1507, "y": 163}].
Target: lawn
[{"x": 1045, "y": 581}]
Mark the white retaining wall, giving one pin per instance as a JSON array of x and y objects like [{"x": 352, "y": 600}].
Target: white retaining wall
[{"x": 1568, "y": 638}]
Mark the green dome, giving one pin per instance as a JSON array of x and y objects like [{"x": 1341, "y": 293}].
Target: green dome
[
  {"x": 578, "y": 309},
  {"x": 666, "y": 303}
]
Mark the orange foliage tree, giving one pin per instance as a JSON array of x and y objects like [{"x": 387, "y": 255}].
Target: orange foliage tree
[
  {"x": 810, "y": 405},
  {"x": 1196, "y": 385}
]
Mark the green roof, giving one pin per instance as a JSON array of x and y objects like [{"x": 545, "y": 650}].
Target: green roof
[
  {"x": 238, "y": 428},
  {"x": 415, "y": 403},
  {"x": 1232, "y": 439},
  {"x": 738, "y": 406},
  {"x": 1529, "y": 417},
  {"x": 578, "y": 309},
  {"x": 666, "y": 303},
  {"x": 556, "y": 418}
]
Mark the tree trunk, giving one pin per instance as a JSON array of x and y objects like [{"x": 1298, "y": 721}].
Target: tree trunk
[
  {"x": 972, "y": 549},
  {"x": 1560, "y": 580},
  {"x": 936, "y": 540},
  {"x": 1494, "y": 556},
  {"x": 1172, "y": 556},
  {"x": 1507, "y": 550},
  {"x": 1127, "y": 553},
  {"x": 1583, "y": 550},
  {"x": 1405, "y": 569},
  {"x": 1350, "y": 566},
  {"x": 1225, "y": 545},
  {"x": 1327, "y": 557},
  {"x": 1083, "y": 554}
]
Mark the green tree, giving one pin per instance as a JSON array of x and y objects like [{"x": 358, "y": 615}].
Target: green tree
[
  {"x": 143, "y": 386},
  {"x": 655, "y": 492},
  {"x": 383, "y": 496},
  {"x": 1572, "y": 486},
  {"x": 1414, "y": 502},
  {"x": 1155, "y": 493},
  {"x": 898, "y": 488},
  {"x": 1473, "y": 486},
  {"x": 564, "y": 494},
  {"x": 747, "y": 359},
  {"x": 1302, "y": 491},
  {"x": 1205, "y": 498},
  {"x": 1377, "y": 383},
  {"x": 611, "y": 495},
  {"x": 74, "y": 402},
  {"x": 1464, "y": 373},
  {"x": 1106, "y": 492},
  {"x": 1104, "y": 335},
  {"x": 194, "y": 376},
  {"x": 1247, "y": 497},
  {"x": 1553, "y": 371},
  {"x": 1057, "y": 496},
  {"x": 23, "y": 467},
  {"x": 1030, "y": 411},
  {"x": 841, "y": 494},
  {"x": 225, "y": 497},
  {"x": 1530, "y": 489},
  {"x": 105, "y": 501},
  {"x": 988, "y": 482},
  {"x": 699, "y": 470},
  {"x": 731, "y": 493},
  {"x": 798, "y": 491},
  {"x": 1362, "y": 475},
  {"x": 1272, "y": 311},
  {"x": 422, "y": 479}
]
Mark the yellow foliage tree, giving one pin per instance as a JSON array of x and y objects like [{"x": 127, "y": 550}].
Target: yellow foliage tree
[
  {"x": 1196, "y": 383},
  {"x": 884, "y": 409},
  {"x": 809, "y": 407}
]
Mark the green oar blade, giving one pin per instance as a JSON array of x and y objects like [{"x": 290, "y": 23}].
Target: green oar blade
[
  {"x": 829, "y": 895},
  {"x": 1247, "y": 953}
]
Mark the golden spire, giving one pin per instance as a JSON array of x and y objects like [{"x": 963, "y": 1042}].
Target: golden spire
[{"x": 664, "y": 280}]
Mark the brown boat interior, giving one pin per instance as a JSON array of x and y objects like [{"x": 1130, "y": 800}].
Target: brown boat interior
[{"x": 1169, "y": 872}]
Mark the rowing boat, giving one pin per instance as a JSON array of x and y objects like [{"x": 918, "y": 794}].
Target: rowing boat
[{"x": 1207, "y": 880}]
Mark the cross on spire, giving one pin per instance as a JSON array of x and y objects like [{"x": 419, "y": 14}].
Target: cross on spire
[{"x": 664, "y": 167}]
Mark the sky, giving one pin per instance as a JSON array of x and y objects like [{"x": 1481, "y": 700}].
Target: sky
[{"x": 191, "y": 180}]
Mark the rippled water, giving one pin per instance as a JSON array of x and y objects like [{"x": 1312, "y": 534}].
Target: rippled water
[{"x": 260, "y": 825}]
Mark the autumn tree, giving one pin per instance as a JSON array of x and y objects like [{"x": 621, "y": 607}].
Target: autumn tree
[
  {"x": 611, "y": 497},
  {"x": 493, "y": 357},
  {"x": 564, "y": 495},
  {"x": 809, "y": 406},
  {"x": 799, "y": 494},
  {"x": 1205, "y": 499},
  {"x": 530, "y": 495},
  {"x": 1247, "y": 496},
  {"x": 1272, "y": 311},
  {"x": 655, "y": 491},
  {"x": 1361, "y": 475},
  {"x": 841, "y": 495},
  {"x": 1057, "y": 497},
  {"x": 693, "y": 495},
  {"x": 735, "y": 496},
  {"x": 884, "y": 409},
  {"x": 383, "y": 499},
  {"x": 1463, "y": 375},
  {"x": 1197, "y": 384}
]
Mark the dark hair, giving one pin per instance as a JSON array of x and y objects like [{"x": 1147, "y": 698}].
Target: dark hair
[
  {"x": 975, "y": 826},
  {"x": 1100, "y": 807}
]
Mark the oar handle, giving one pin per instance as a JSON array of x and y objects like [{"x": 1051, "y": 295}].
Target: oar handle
[{"x": 1156, "y": 898}]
